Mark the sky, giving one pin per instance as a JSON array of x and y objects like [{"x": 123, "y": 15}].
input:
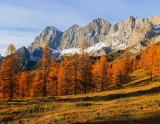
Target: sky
[{"x": 22, "y": 20}]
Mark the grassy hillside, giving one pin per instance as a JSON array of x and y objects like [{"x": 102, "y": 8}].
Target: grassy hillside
[{"x": 137, "y": 102}]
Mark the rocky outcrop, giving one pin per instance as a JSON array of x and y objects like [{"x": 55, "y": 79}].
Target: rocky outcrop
[
  {"x": 51, "y": 35},
  {"x": 154, "y": 20},
  {"x": 92, "y": 33},
  {"x": 24, "y": 57},
  {"x": 132, "y": 33},
  {"x": 1, "y": 57},
  {"x": 128, "y": 33}
]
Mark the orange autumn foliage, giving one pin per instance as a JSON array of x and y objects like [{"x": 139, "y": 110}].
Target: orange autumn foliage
[{"x": 76, "y": 74}]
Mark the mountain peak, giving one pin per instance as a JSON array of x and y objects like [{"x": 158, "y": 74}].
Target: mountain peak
[
  {"x": 131, "y": 18},
  {"x": 74, "y": 26},
  {"x": 155, "y": 20},
  {"x": 50, "y": 34},
  {"x": 100, "y": 21},
  {"x": 22, "y": 49},
  {"x": 127, "y": 33},
  {"x": 50, "y": 28}
]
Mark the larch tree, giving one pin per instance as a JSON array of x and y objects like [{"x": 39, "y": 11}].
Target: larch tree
[
  {"x": 9, "y": 69},
  {"x": 24, "y": 84},
  {"x": 11, "y": 49},
  {"x": 65, "y": 76},
  {"x": 96, "y": 76},
  {"x": 52, "y": 83},
  {"x": 117, "y": 76},
  {"x": 125, "y": 67},
  {"x": 85, "y": 66},
  {"x": 156, "y": 65},
  {"x": 46, "y": 57},
  {"x": 85, "y": 73},
  {"x": 1, "y": 85},
  {"x": 74, "y": 71},
  {"x": 103, "y": 72},
  {"x": 150, "y": 59},
  {"x": 62, "y": 77},
  {"x": 36, "y": 88},
  {"x": 100, "y": 73}
]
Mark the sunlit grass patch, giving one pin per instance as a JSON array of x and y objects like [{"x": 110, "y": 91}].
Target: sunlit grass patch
[
  {"x": 138, "y": 78},
  {"x": 134, "y": 103}
]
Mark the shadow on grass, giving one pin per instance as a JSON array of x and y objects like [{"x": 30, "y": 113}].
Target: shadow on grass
[
  {"x": 140, "y": 83},
  {"x": 6, "y": 120},
  {"x": 153, "y": 119},
  {"x": 111, "y": 96}
]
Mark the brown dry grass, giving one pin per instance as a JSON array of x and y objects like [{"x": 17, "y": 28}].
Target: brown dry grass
[{"x": 133, "y": 104}]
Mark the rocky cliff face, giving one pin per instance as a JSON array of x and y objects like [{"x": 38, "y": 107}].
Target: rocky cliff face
[
  {"x": 1, "y": 57},
  {"x": 49, "y": 34},
  {"x": 92, "y": 33},
  {"x": 24, "y": 57},
  {"x": 101, "y": 37}
]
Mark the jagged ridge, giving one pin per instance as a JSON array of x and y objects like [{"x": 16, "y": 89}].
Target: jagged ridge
[{"x": 125, "y": 34}]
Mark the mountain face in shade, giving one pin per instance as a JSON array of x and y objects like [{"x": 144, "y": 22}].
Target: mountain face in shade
[
  {"x": 101, "y": 36},
  {"x": 1, "y": 57},
  {"x": 24, "y": 57}
]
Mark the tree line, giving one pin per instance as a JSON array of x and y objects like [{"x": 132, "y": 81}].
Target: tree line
[{"x": 75, "y": 74}]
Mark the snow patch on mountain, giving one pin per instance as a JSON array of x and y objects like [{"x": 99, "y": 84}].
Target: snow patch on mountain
[
  {"x": 54, "y": 51},
  {"x": 96, "y": 47},
  {"x": 100, "y": 35},
  {"x": 70, "y": 51},
  {"x": 90, "y": 50}
]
